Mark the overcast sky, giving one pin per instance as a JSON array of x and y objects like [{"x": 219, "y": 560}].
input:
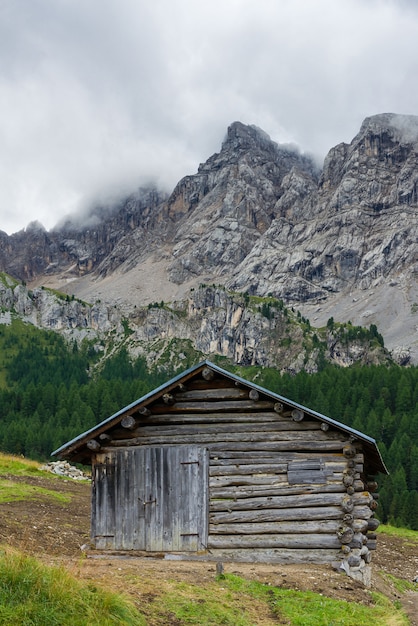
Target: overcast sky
[{"x": 100, "y": 96}]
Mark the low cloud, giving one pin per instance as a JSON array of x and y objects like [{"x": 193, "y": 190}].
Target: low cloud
[{"x": 98, "y": 98}]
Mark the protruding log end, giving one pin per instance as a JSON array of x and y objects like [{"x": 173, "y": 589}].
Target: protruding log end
[
  {"x": 297, "y": 415},
  {"x": 128, "y": 422},
  {"x": 168, "y": 399},
  {"x": 348, "y": 480},
  {"x": 345, "y": 534},
  {"x": 373, "y": 523},
  {"x": 360, "y": 525},
  {"x": 349, "y": 451},
  {"x": 278, "y": 407},
  {"x": 144, "y": 411},
  {"x": 93, "y": 445},
  {"x": 254, "y": 395},
  {"x": 208, "y": 374},
  {"x": 347, "y": 504},
  {"x": 105, "y": 437},
  {"x": 324, "y": 426}
]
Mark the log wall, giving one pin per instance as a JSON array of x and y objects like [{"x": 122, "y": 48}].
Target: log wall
[{"x": 282, "y": 485}]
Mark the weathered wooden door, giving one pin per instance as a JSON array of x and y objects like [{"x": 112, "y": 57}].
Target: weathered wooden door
[{"x": 153, "y": 499}]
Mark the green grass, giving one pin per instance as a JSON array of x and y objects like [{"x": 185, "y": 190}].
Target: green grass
[
  {"x": 18, "y": 466},
  {"x": 402, "y": 533},
  {"x": 401, "y": 585},
  {"x": 234, "y": 601},
  {"x": 313, "y": 609},
  {"x": 11, "y": 491},
  {"x": 409, "y": 537},
  {"x": 32, "y": 594},
  {"x": 7, "y": 280}
]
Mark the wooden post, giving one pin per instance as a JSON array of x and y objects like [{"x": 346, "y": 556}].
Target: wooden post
[{"x": 220, "y": 570}]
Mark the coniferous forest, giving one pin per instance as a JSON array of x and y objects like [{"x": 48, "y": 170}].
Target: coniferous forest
[{"x": 51, "y": 391}]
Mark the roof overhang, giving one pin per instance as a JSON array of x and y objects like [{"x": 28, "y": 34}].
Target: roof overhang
[{"x": 72, "y": 448}]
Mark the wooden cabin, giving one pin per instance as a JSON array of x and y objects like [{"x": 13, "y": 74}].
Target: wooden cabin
[{"x": 212, "y": 466}]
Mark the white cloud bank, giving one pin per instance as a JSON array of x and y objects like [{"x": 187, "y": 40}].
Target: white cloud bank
[{"x": 98, "y": 97}]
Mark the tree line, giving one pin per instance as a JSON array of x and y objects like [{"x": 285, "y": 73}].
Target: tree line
[{"x": 379, "y": 401}]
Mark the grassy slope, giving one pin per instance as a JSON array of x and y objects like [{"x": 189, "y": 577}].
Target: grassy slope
[{"x": 33, "y": 593}]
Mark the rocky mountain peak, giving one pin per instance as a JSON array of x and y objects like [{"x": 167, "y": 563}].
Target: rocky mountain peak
[
  {"x": 399, "y": 128},
  {"x": 257, "y": 217},
  {"x": 233, "y": 200},
  {"x": 35, "y": 227},
  {"x": 243, "y": 137}
]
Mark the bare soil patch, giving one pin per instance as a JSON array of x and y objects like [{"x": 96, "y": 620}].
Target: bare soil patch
[{"x": 58, "y": 533}]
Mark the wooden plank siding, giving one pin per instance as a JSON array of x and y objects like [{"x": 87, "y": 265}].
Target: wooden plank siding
[
  {"x": 151, "y": 499},
  {"x": 269, "y": 481}
]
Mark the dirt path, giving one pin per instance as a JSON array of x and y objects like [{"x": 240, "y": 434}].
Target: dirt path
[{"x": 410, "y": 604}]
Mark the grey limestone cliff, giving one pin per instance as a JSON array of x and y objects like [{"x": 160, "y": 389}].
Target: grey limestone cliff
[{"x": 260, "y": 218}]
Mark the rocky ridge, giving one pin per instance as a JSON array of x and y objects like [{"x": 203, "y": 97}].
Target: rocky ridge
[
  {"x": 259, "y": 218},
  {"x": 210, "y": 321}
]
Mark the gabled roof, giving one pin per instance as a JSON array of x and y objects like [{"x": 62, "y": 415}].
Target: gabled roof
[{"x": 72, "y": 448}]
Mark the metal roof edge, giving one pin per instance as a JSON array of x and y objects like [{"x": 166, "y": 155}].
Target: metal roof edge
[
  {"x": 144, "y": 398},
  {"x": 206, "y": 363},
  {"x": 329, "y": 420}
]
